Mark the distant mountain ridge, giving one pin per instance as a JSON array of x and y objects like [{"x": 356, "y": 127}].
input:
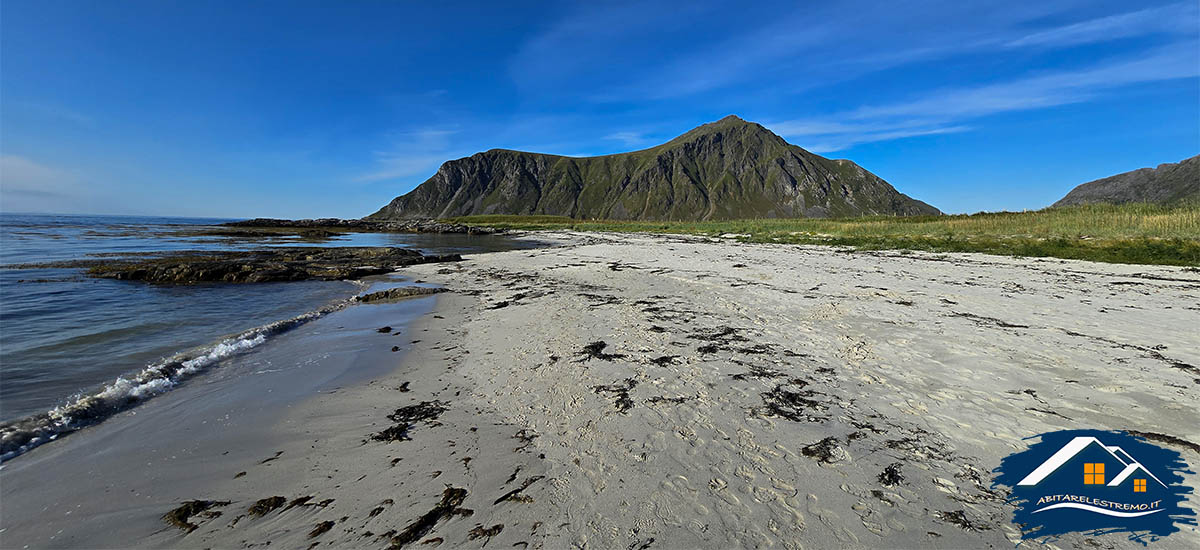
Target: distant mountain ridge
[
  {"x": 727, "y": 169},
  {"x": 1169, "y": 183}
]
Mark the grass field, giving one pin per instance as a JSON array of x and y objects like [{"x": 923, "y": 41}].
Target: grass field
[{"x": 1133, "y": 234}]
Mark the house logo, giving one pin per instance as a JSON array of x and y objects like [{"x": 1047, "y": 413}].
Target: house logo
[{"x": 1099, "y": 482}]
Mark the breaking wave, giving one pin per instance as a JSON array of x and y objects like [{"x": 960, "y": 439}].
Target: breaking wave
[{"x": 83, "y": 410}]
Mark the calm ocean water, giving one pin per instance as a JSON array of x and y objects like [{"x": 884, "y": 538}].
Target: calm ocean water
[{"x": 64, "y": 336}]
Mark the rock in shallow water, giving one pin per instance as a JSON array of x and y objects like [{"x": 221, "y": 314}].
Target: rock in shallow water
[
  {"x": 260, "y": 266},
  {"x": 393, "y": 294}
]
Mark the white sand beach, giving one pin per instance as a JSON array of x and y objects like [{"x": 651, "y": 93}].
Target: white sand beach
[{"x": 659, "y": 392}]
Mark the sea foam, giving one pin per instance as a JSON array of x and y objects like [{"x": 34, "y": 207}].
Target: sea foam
[{"x": 82, "y": 410}]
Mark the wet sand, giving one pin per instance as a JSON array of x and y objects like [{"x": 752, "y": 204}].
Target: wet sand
[{"x": 650, "y": 392}]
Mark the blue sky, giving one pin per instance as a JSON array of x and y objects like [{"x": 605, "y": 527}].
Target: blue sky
[{"x": 301, "y": 109}]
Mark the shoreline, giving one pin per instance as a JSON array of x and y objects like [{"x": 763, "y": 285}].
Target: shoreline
[{"x": 667, "y": 392}]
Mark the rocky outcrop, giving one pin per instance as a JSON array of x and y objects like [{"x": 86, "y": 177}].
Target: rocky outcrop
[
  {"x": 379, "y": 226},
  {"x": 723, "y": 170},
  {"x": 260, "y": 266},
  {"x": 400, "y": 293},
  {"x": 1167, "y": 184}
]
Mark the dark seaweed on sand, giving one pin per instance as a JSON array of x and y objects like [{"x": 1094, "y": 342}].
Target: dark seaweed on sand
[
  {"x": 179, "y": 516},
  {"x": 595, "y": 350},
  {"x": 452, "y": 498},
  {"x": 406, "y": 417}
]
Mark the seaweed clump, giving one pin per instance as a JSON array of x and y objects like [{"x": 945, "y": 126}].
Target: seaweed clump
[
  {"x": 179, "y": 516},
  {"x": 406, "y": 417},
  {"x": 452, "y": 499}
]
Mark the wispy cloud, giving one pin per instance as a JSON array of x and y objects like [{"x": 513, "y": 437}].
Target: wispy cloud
[
  {"x": 410, "y": 154},
  {"x": 1175, "y": 18},
  {"x": 824, "y": 136},
  {"x": 1046, "y": 90},
  {"x": 806, "y": 47},
  {"x": 629, "y": 139},
  {"x": 948, "y": 110}
]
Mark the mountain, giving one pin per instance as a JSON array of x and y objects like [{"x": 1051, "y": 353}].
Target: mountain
[
  {"x": 722, "y": 170},
  {"x": 1167, "y": 184}
]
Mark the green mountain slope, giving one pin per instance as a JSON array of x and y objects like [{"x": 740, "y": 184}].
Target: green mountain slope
[
  {"x": 1170, "y": 183},
  {"x": 727, "y": 169}
]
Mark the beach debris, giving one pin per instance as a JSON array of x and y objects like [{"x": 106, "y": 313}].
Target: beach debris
[
  {"x": 793, "y": 404},
  {"x": 665, "y": 360},
  {"x": 433, "y": 541},
  {"x": 758, "y": 371},
  {"x": 825, "y": 451},
  {"x": 304, "y": 501},
  {"x": 515, "y": 494},
  {"x": 986, "y": 321},
  {"x": 598, "y": 300},
  {"x": 675, "y": 400},
  {"x": 179, "y": 516},
  {"x": 406, "y": 417},
  {"x": 595, "y": 350},
  {"x": 276, "y": 457},
  {"x": 266, "y": 506},
  {"x": 399, "y": 293},
  {"x": 480, "y": 532},
  {"x": 620, "y": 391},
  {"x": 1164, "y": 438},
  {"x": 717, "y": 339},
  {"x": 383, "y": 330},
  {"x": 891, "y": 476},
  {"x": 448, "y": 507},
  {"x": 526, "y": 437},
  {"x": 320, "y": 529},
  {"x": 959, "y": 518}
]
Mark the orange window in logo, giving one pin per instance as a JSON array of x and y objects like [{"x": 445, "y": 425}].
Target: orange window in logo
[
  {"x": 1139, "y": 485},
  {"x": 1093, "y": 473}
]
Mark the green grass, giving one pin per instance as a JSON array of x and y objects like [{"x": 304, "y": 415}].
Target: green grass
[{"x": 1131, "y": 234}]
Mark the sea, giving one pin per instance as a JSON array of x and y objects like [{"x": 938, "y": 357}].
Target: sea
[{"x": 75, "y": 350}]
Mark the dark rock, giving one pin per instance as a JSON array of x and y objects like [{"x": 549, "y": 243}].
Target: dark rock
[
  {"x": 258, "y": 266},
  {"x": 367, "y": 225},
  {"x": 393, "y": 294}
]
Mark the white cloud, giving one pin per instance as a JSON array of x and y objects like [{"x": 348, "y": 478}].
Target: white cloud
[
  {"x": 1175, "y": 18},
  {"x": 1046, "y": 90},
  {"x": 587, "y": 51},
  {"x": 410, "y": 154},
  {"x": 825, "y": 143}
]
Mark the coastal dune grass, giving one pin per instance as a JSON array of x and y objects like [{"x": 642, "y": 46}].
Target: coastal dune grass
[{"x": 1129, "y": 233}]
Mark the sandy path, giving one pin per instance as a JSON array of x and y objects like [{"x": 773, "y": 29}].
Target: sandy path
[{"x": 742, "y": 396}]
